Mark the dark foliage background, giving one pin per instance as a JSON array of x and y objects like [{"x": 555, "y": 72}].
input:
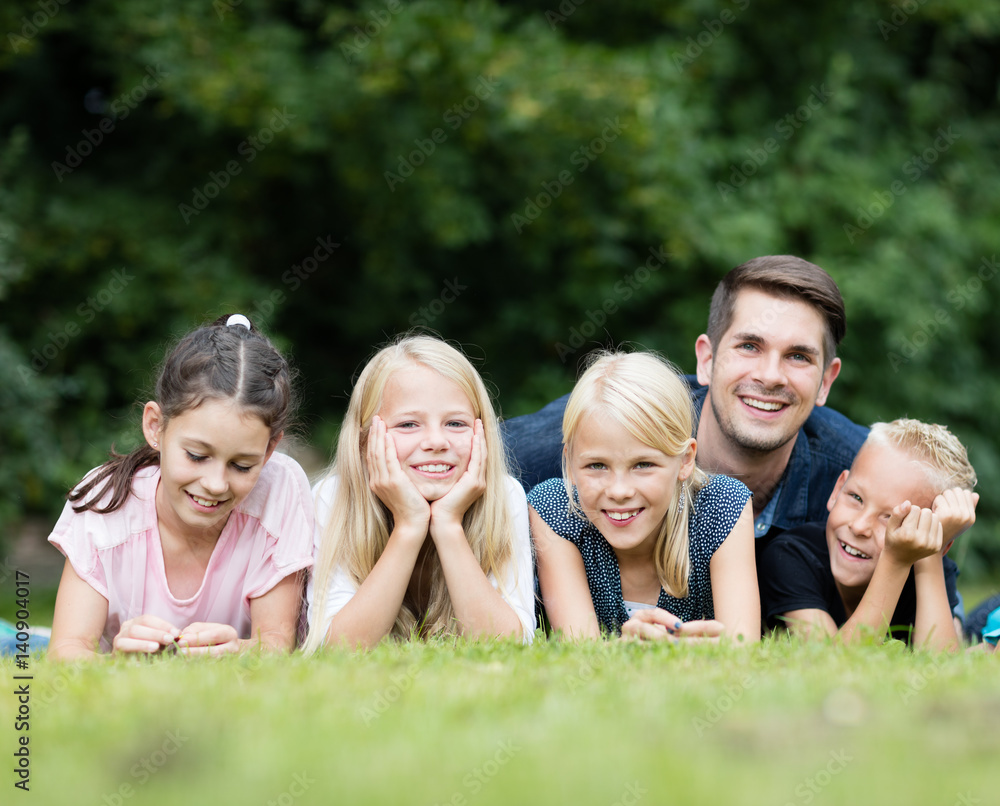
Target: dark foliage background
[{"x": 499, "y": 172}]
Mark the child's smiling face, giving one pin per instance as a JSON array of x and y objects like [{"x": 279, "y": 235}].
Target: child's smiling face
[
  {"x": 861, "y": 504},
  {"x": 210, "y": 459},
  {"x": 625, "y": 486},
  {"x": 431, "y": 421}
]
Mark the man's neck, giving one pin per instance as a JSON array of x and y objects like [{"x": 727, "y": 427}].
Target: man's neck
[{"x": 759, "y": 471}]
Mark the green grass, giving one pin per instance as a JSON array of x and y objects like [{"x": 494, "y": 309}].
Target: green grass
[{"x": 553, "y": 723}]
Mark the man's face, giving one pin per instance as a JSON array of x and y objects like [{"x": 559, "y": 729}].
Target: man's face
[{"x": 766, "y": 373}]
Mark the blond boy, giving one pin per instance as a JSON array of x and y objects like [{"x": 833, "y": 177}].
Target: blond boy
[{"x": 877, "y": 563}]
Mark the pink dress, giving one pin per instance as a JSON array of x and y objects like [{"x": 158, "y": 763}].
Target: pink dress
[{"x": 266, "y": 538}]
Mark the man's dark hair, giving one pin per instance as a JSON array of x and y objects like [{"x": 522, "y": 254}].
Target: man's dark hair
[{"x": 784, "y": 276}]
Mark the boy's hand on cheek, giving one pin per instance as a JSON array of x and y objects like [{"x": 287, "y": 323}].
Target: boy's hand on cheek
[
  {"x": 956, "y": 509},
  {"x": 912, "y": 534}
]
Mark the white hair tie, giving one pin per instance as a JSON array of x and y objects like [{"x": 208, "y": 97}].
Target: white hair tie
[{"x": 238, "y": 319}]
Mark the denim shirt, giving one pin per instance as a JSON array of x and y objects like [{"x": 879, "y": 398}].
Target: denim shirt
[{"x": 825, "y": 446}]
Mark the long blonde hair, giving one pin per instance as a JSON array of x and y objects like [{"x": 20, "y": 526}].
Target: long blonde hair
[
  {"x": 360, "y": 524},
  {"x": 644, "y": 394}
]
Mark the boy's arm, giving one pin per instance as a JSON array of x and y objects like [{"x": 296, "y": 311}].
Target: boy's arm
[
  {"x": 912, "y": 534},
  {"x": 810, "y": 623},
  {"x": 794, "y": 584},
  {"x": 956, "y": 509},
  {"x": 934, "y": 627}
]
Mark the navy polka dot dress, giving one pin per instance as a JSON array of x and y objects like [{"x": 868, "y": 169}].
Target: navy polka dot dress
[{"x": 717, "y": 507}]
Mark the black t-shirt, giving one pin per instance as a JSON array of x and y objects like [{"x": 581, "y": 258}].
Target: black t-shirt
[{"x": 794, "y": 574}]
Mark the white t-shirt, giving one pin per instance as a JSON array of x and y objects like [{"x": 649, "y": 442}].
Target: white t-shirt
[{"x": 517, "y": 586}]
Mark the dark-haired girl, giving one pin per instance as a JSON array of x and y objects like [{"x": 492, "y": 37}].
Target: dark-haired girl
[{"x": 196, "y": 539}]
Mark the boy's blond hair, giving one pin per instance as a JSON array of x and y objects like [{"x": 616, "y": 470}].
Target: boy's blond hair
[{"x": 940, "y": 452}]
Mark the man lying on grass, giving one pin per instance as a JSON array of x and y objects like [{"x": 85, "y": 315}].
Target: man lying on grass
[{"x": 877, "y": 565}]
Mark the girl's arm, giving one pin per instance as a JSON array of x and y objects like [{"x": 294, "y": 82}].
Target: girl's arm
[
  {"x": 80, "y": 615},
  {"x": 733, "y": 570},
  {"x": 563, "y": 580},
  {"x": 371, "y": 612},
  {"x": 479, "y": 608}
]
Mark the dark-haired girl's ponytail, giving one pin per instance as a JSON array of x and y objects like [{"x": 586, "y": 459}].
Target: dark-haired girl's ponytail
[{"x": 115, "y": 476}]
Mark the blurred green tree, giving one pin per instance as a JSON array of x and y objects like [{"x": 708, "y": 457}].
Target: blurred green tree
[{"x": 528, "y": 180}]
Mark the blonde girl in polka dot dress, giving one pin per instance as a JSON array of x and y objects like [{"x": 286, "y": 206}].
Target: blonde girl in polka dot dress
[{"x": 635, "y": 539}]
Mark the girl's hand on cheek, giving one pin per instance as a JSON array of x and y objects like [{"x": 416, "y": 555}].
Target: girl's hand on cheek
[
  {"x": 453, "y": 505},
  {"x": 389, "y": 481},
  {"x": 145, "y": 634}
]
